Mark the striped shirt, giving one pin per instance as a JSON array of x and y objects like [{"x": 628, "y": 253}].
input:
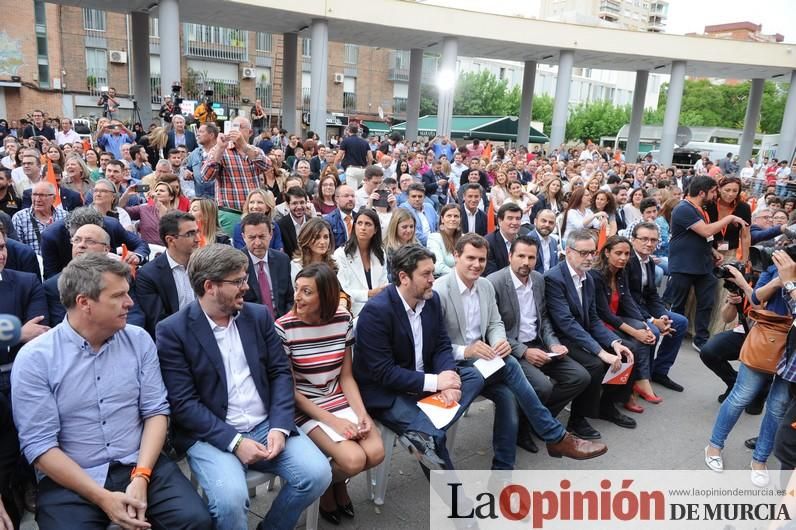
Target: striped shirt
[
  {"x": 235, "y": 176},
  {"x": 316, "y": 353}
]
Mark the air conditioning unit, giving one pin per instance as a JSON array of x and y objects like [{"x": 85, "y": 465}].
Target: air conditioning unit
[
  {"x": 249, "y": 73},
  {"x": 338, "y": 78},
  {"x": 118, "y": 57}
]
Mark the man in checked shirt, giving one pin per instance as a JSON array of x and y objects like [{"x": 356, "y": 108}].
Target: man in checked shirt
[{"x": 235, "y": 166}]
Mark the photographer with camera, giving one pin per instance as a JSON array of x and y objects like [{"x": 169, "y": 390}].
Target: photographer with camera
[
  {"x": 204, "y": 111},
  {"x": 167, "y": 110},
  {"x": 108, "y": 102}
]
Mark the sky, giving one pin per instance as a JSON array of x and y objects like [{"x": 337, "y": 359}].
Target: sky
[{"x": 685, "y": 16}]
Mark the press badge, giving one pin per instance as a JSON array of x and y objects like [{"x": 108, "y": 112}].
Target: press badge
[{"x": 724, "y": 246}]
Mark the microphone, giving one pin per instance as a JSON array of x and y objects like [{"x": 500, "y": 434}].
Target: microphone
[{"x": 10, "y": 331}]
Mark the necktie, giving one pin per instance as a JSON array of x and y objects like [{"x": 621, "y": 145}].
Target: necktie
[
  {"x": 265, "y": 288},
  {"x": 348, "y": 225}
]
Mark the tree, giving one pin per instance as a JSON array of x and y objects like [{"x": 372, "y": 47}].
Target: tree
[
  {"x": 428, "y": 99},
  {"x": 590, "y": 121}
]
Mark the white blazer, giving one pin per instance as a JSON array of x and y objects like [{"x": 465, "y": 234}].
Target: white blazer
[{"x": 351, "y": 274}]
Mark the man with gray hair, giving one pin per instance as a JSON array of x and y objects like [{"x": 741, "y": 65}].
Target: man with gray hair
[
  {"x": 235, "y": 166},
  {"x": 91, "y": 411},
  {"x": 31, "y": 222},
  {"x": 231, "y": 392}
]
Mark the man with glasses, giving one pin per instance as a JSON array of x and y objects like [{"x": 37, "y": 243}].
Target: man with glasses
[
  {"x": 230, "y": 387},
  {"x": 235, "y": 166},
  {"x": 162, "y": 286},
  {"x": 571, "y": 301},
  {"x": 763, "y": 229},
  {"x": 641, "y": 281},
  {"x": 31, "y": 222}
]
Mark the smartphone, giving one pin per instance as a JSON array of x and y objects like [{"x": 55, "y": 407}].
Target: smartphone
[
  {"x": 142, "y": 188},
  {"x": 382, "y": 200}
]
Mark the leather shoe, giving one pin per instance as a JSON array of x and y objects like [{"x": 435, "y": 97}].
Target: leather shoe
[
  {"x": 582, "y": 429},
  {"x": 332, "y": 517},
  {"x": 347, "y": 510},
  {"x": 751, "y": 443},
  {"x": 723, "y": 396},
  {"x": 665, "y": 381},
  {"x": 575, "y": 448},
  {"x": 617, "y": 418},
  {"x": 423, "y": 447},
  {"x": 525, "y": 441}
]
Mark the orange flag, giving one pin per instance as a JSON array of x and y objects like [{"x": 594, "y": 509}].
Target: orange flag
[
  {"x": 490, "y": 218},
  {"x": 601, "y": 238},
  {"x": 125, "y": 252},
  {"x": 51, "y": 179}
]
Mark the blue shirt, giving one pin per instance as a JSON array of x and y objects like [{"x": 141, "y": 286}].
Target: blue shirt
[
  {"x": 778, "y": 302},
  {"x": 91, "y": 405},
  {"x": 137, "y": 173},
  {"x": 113, "y": 143},
  {"x": 448, "y": 150},
  {"x": 194, "y": 162},
  {"x": 689, "y": 253}
]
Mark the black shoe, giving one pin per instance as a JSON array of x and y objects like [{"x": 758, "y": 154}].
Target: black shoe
[
  {"x": 582, "y": 429},
  {"x": 617, "y": 418},
  {"x": 332, "y": 517},
  {"x": 751, "y": 443},
  {"x": 723, "y": 396},
  {"x": 424, "y": 448},
  {"x": 525, "y": 440},
  {"x": 755, "y": 408},
  {"x": 347, "y": 510},
  {"x": 665, "y": 381}
]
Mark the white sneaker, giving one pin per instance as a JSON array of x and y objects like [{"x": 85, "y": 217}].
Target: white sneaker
[
  {"x": 715, "y": 463},
  {"x": 760, "y": 477}
]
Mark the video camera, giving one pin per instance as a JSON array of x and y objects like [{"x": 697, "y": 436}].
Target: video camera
[
  {"x": 208, "y": 99},
  {"x": 176, "y": 89},
  {"x": 722, "y": 272},
  {"x": 760, "y": 255},
  {"x": 104, "y": 95}
]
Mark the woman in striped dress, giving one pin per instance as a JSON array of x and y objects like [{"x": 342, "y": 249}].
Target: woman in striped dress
[{"x": 317, "y": 336}]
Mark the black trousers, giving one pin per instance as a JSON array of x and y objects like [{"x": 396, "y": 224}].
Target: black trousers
[
  {"x": 596, "y": 396},
  {"x": 172, "y": 502},
  {"x": 717, "y": 353},
  {"x": 705, "y": 293}
]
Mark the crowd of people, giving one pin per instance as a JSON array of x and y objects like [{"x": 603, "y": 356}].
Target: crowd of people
[{"x": 258, "y": 300}]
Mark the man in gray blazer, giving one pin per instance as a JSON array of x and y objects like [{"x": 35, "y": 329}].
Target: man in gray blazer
[
  {"x": 477, "y": 336},
  {"x": 519, "y": 289}
]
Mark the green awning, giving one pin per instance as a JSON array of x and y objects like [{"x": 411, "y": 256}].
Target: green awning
[
  {"x": 376, "y": 127},
  {"x": 505, "y": 129},
  {"x": 460, "y": 125}
]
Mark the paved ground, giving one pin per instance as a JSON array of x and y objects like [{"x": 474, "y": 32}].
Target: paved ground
[{"x": 671, "y": 435}]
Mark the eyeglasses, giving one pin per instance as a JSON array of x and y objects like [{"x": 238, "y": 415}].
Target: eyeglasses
[
  {"x": 584, "y": 253},
  {"x": 647, "y": 239},
  {"x": 76, "y": 240},
  {"x": 42, "y": 195},
  {"x": 237, "y": 283},
  {"x": 191, "y": 234}
]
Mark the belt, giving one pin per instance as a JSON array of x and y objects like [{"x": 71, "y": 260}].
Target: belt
[{"x": 5, "y": 368}]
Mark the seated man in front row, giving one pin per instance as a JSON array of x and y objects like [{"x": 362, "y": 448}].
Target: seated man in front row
[
  {"x": 403, "y": 354},
  {"x": 473, "y": 323},
  {"x": 90, "y": 407},
  {"x": 231, "y": 392}
]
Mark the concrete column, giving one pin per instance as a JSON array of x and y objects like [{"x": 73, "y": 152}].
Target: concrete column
[
  {"x": 319, "y": 72},
  {"x": 750, "y": 121},
  {"x": 446, "y": 85},
  {"x": 413, "y": 99},
  {"x": 558, "y": 130},
  {"x": 671, "y": 117},
  {"x": 289, "y": 66},
  {"x": 140, "y": 56},
  {"x": 526, "y": 102},
  {"x": 634, "y": 133},
  {"x": 787, "y": 133},
  {"x": 170, "y": 51}
]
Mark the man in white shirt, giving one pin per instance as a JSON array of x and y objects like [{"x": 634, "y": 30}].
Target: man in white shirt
[
  {"x": 231, "y": 391},
  {"x": 373, "y": 177},
  {"x": 67, "y": 135},
  {"x": 458, "y": 166}
]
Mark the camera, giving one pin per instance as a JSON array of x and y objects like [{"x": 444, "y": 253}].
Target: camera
[
  {"x": 208, "y": 99},
  {"x": 176, "y": 89},
  {"x": 760, "y": 255},
  {"x": 722, "y": 272}
]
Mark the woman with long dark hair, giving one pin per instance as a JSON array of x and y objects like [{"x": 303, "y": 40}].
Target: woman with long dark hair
[
  {"x": 603, "y": 201},
  {"x": 324, "y": 201},
  {"x": 361, "y": 265},
  {"x": 578, "y": 213},
  {"x": 618, "y": 310}
]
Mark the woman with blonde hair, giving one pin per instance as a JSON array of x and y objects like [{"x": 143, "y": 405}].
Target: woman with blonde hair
[
  {"x": 259, "y": 201},
  {"x": 155, "y": 144},
  {"x": 205, "y": 211},
  {"x": 400, "y": 232},
  {"x": 77, "y": 175}
]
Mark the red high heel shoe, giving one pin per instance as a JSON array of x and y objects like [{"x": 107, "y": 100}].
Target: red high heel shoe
[
  {"x": 634, "y": 407},
  {"x": 650, "y": 398}
]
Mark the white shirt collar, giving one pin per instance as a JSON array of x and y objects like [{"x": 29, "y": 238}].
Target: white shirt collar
[
  {"x": 644, "y": 261},
  {"x": 462, "y": 287},
  {"x": 257, "y": 260},
  {"x": 215, "y": 327},
  {"x": 518, "y": 283},
  {"x": 418, "y": 308},
  {"x": 573, "y": 273},
  {"x": 172, "y": 263}
]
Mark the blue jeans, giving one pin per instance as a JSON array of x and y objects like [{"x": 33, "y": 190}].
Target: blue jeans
[
  {"x": 507, "y": 388},
  {"x": 304, "y": 469},
  {"x": 670, "y": 345},
  {"x": 747, "y": 386}
]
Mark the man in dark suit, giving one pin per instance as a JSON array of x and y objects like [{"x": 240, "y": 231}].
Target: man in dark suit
[
  {"x": 87, "y": 238},
  {"x": 230, "y": 388},
  {"x": 547, "y": 256},
  {"x": 162, "y": 286},
  {"x": 56, "y": 249},
  {"x": 588, "y": 340},
  {"x": 269, "y": 283},
  {"x": 520, "y": 295},
  {"x": 436, "y": 184},
  {"x": 290, "y": 225},
  {"x": 473, "y": 218},
  {"x": 641, "y": 281},
  {"x": 621, "y": 199},
  {"x": 509, "y": 227},
  {"x": 179, "y": 135},
  {"x": 342, "y": 219},
  {"x": 395, "y": 368},
  {"x": 69, "y": 199},
  {"x": 20, "y": 256}
]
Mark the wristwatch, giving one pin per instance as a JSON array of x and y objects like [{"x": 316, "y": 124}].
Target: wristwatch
[{"x": 790, "y": 287}]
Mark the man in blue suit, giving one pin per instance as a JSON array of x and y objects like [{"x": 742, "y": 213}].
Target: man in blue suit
[
  {"x": 344, "y": 196},
  {"x": 570, "y": 294},
  {"x": 544, "y": 225},
  {"x": 424, "y": 214},
  {"x": 56, "y": 246},
  {"x": 20, "y": 256},
  {"x": 404, "y": 353},
  {"x": 269, "y": 283},
  {"x": 231, "y": 390}
]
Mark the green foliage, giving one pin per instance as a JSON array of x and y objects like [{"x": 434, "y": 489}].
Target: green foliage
[
  {"x": 590, "y": 121},
  {"x": 429, "y": 98}
]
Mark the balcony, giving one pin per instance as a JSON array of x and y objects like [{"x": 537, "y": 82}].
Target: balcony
[
  {"x": 399, "y": 105},
  {"x": 349, "y": 102},
  {"x": 96, "y": 78},
  {"x": 213, "y": 42},
  {"x": 656, "y": 24},
  {"x": 265, "y": 93},
  {"x": 398, "y": 74},
  {"x": 155, "y": 88},
  {"x": 305, "y": 99},
  {"x": 225, "y": 91}
]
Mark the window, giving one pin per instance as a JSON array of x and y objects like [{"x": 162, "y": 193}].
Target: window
[
  {"x": 263, "y": 42},
  {"x": 263, "y": 86},
  {"x": 96, "y": 68},
  {"x": 42, "y": 58},
  {"x": 349, "y": 94},
  {"x": 154, "y": 30},
  {"x": 351, "y": 53},
  {"x": 306, "y": 47},
  {"x": 40, "y": 14},
  {"x": 93, "y": 19}
]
